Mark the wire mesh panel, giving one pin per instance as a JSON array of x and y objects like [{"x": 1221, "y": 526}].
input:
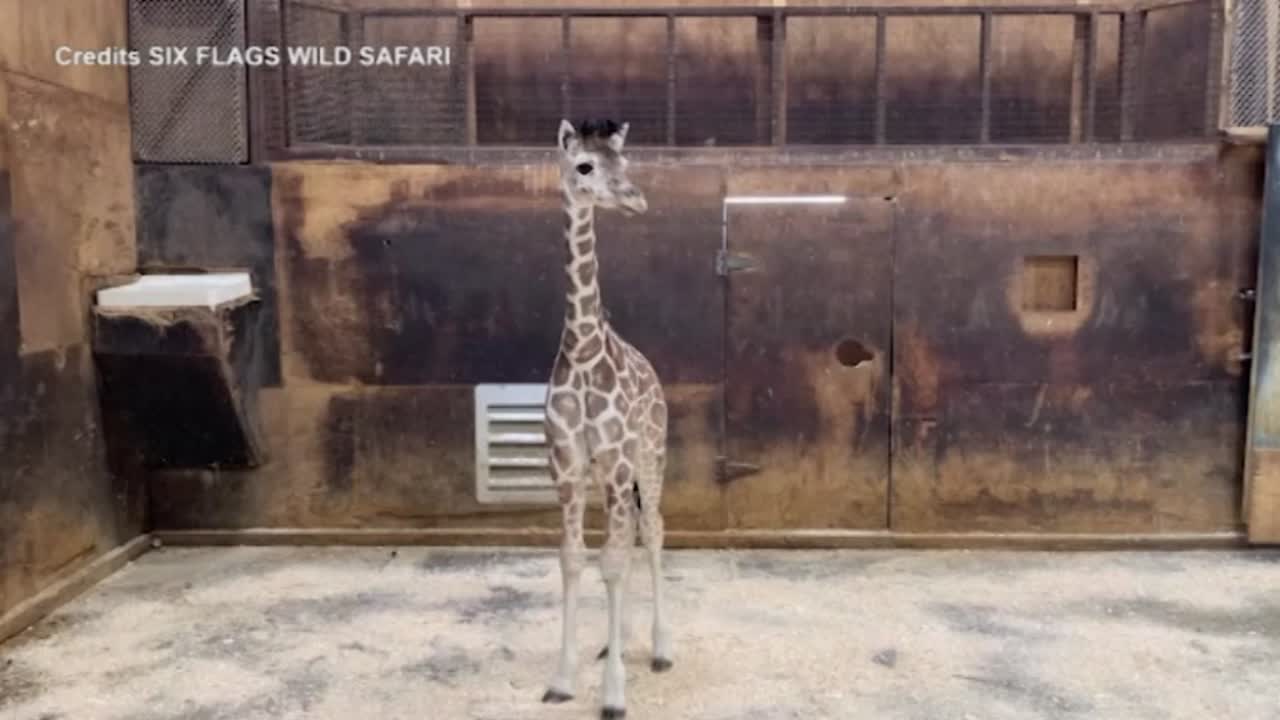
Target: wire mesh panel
[
  {"x": 1176, "y": 64},
  {"x": 1255, "y": 63},
  {"x": 618, "y": 69},
  {"x": 753, "y": 76},
  {"x": 831, "y": 80},
  {"x": 188, "y": 105},
  {"x": 322, "y": 97},
  {"x": 376, "y": 94},
  {"x": 518, "y": 85}
]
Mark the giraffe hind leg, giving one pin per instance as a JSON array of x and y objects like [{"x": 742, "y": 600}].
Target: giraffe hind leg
[
  {"x": 652, "y": 536},
  {"x": 626, "y": 628}
]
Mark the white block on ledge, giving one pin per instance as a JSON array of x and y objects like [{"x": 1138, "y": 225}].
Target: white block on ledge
[{"x": 208, "y": 291}]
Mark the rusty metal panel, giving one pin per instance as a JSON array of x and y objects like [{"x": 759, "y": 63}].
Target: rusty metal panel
[
  {"x": 412, "y": 275},
  {"x": 415, "y": 275},
  {"x": 657, "y": 272},
  {"x": 59, "y": 507},
  {"x": 73, "y": 205},
  {"x": 404, "y": 457},
  {"x": 1100, "y": 457},
  {"x": 1119, "y": 411},
  {"x": 807, "y": 364}
]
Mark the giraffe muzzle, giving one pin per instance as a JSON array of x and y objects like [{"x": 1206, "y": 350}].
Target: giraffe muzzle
[{"x": 633, "y": 203}]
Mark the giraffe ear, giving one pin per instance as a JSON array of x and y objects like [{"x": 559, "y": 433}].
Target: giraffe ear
[
  {"x": 567, "y": 136},
  {"x": 618, "y": 139}
]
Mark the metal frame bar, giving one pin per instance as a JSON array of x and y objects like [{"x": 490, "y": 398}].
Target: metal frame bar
[
  {"x": 760, "y": 11},
  {"x": 1083, "y": 81},
  {"x": 1195, "y": 149},
  {"x": 270, "y": 89},
  {"x": 1259, "y": 506},
  {"x": 467, "y": 78}
]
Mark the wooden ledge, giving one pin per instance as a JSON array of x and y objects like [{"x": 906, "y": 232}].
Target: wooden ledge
[
  {"x": 740, "y": 539},
  {"x": 1246, "y": 135},
  {"x": 64, "y": 590}
]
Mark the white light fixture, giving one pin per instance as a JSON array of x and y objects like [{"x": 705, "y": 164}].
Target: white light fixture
[{"x": 784, "y": 199}]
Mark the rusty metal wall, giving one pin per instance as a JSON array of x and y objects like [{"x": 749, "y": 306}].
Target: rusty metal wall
[
  {"x": 808, "y": 352},
  {"x": 66, "y": 224},
  {"x": 402, "y": 286},
  {"x": 1121, "y": 414}
]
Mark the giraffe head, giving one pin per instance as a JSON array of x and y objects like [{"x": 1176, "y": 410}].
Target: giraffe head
[{"x": 592, "y": 168}]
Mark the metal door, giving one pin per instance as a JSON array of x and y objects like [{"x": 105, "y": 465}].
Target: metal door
[{"x": 807, "y": 378}]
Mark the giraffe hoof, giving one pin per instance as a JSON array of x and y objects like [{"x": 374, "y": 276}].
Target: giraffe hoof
[
  {"x": 604, "y": 653},
  {"x": 660, "y": 665},
  {"x": 613, "y": 713},
  {"x": 556, "y": 696}
]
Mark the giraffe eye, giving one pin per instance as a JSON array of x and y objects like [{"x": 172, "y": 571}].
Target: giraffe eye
[{"x": 584, "y": 168}]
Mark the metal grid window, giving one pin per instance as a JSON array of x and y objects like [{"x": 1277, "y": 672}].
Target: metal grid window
[
  {"x": 1255, "y": 63},
  {"x": 183, "y": 110},
  {"x": 685, "y": 77}
]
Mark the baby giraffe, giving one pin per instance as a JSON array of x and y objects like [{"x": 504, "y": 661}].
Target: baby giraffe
[{"x": 606, "y": 416}]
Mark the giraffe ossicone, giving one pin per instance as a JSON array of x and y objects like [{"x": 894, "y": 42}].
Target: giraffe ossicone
[{"x": 606, "y": 416}]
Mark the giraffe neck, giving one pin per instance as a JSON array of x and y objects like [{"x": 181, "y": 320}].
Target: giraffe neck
[{"x": 583, "y": 321}]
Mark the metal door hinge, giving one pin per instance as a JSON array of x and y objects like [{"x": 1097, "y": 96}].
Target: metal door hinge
[
  {"x": 727, "y": 471},
  {"x": 727, "y": 262}
]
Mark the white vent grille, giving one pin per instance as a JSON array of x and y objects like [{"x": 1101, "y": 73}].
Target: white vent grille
[{"x": 511, "y": 447}]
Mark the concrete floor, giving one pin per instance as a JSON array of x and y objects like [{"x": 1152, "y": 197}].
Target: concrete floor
[{"x": 431, "y": 634}]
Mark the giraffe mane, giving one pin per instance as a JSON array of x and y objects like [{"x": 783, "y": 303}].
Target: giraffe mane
[{"x": 597, "y": 128}]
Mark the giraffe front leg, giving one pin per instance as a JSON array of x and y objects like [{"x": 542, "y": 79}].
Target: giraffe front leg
[
  {"x": 573, "y": 553},
  {"x": 626, "y": 621},
  {"x": 614, "y": 561}
]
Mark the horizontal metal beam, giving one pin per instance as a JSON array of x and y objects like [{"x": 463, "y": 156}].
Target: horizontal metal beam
[
  {"x": 753, "y": 11},
  {"x": 1194, "y": 149},
  {"x": 792, "y": 539},
  {"x": 1163, "y": 4}
]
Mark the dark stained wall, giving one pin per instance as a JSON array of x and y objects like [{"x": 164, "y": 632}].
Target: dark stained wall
[
  {"x": 66, "y": 224},
  {"x": 400, "y": 287},
  {"x": 1120, "y": 414},
  {"x": 214, "y": 219}
]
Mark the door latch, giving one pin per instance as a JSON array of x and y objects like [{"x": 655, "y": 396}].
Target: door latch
[{"x": 727, "y": 262}]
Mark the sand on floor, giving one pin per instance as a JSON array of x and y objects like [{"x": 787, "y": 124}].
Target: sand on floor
[{"x": 472, "y": 634}]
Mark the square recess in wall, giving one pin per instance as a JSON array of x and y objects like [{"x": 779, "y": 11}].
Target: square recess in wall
[{"x": 1050, "y": 283}]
